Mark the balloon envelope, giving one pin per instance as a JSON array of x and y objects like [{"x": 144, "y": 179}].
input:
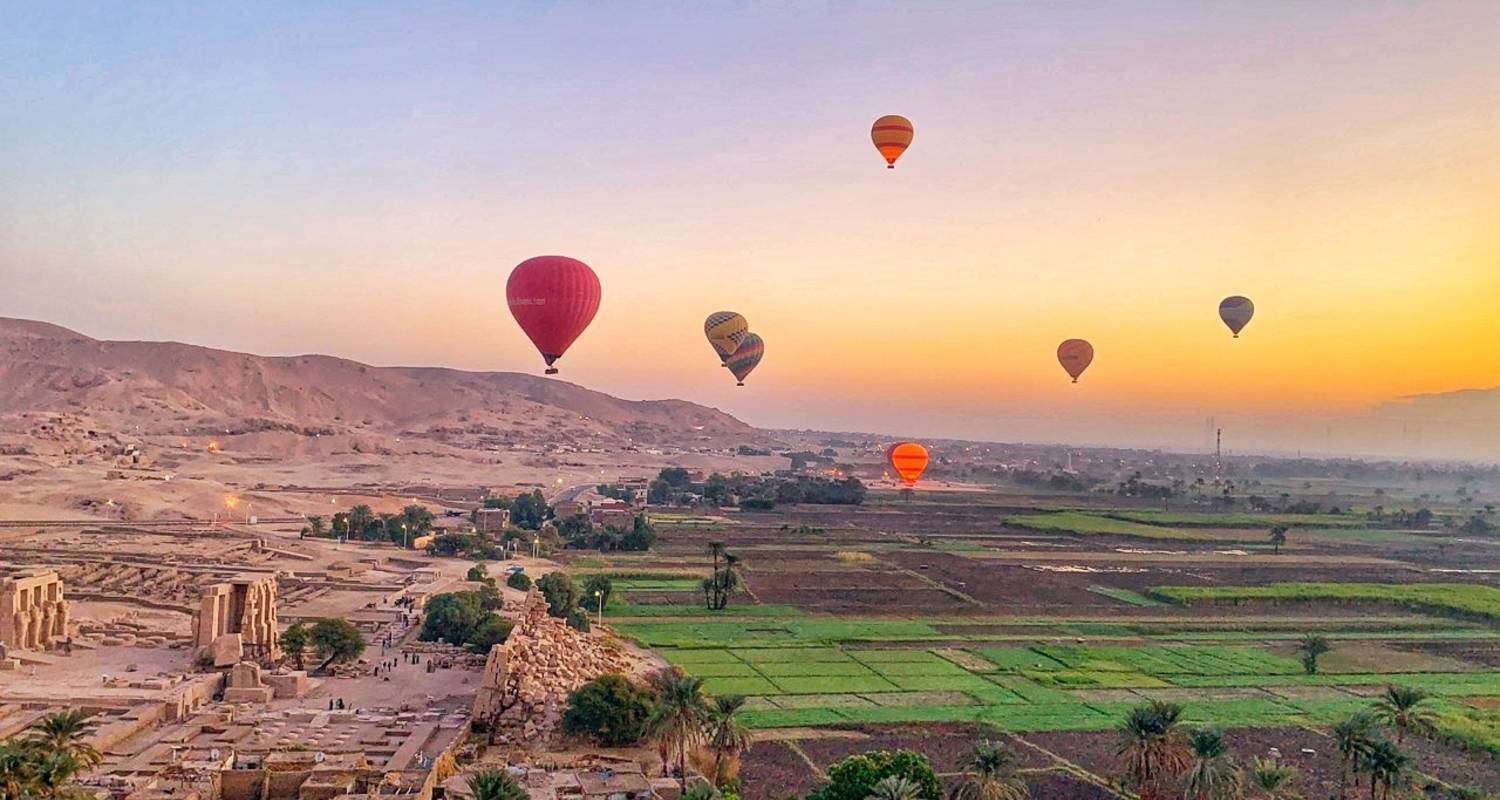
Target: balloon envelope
[
  {"x": 1075, "y": 355},
  {"x": 892, "y": 135},
  {"x": 553, "y": 298},
  {"x": 745, "y": 357},
  {"x": 725, "y": 331},
  {"x": 908, "y": 459},
  {"x": 1236, "y": 312}
]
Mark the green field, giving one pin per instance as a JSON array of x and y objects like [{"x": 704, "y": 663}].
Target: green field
[
  {"x": 1096, "y": 524},
  {"x": 1460, "y": 599}
]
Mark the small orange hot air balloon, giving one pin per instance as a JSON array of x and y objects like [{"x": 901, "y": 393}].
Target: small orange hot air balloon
[
  {"x": 892, "y": 135},
  {"x": 908, "y": 459},
  {"x": 1075, "y": 355}
]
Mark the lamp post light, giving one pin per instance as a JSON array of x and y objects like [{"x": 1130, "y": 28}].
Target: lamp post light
[
  {"x": 599, "y": 604},
  {"x": 404, "y": 543},
  {"x": 536, "y": 542}
]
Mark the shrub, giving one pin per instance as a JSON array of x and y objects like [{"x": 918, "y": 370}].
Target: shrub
[
  {"x": 519, "y": 580},
  {"x": 578, "y": 620},
  {"x": 855, "y": 777},
  {"x": 560, "y": 591},
  {"x": 610, "y": 709},
  {"x": 491, "y": 632}
]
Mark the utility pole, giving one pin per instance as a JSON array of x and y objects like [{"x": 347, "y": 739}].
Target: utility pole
[{"x": 1218, "y": 453}]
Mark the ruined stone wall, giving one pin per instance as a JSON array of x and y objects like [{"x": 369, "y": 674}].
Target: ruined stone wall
[
  {"x": 527, "y": 678},
  {"x": 244, "y": 608},
  {"x": 33, "y": 612}
]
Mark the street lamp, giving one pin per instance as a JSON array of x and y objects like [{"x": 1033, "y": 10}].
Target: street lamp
[
  {"x": 404, "y": 544},
  {"x": 599, "y": 603},
  {"x": 536, "y": 542}
]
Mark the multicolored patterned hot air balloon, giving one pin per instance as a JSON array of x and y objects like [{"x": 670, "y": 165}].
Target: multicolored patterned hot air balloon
[
  {"x": 908, "y": 459},
  {"x": 892, "y": 135},
  {"x": 554, "y": 298},
  {"x": 725, "y": 331},
  {"x": 1236, "y": 312},
  {"x": 1075, "y": 355},
  {"x": 745, "y": 357}
]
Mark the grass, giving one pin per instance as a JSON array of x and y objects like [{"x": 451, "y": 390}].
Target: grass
[
  {"x": 1459, "y": 599},
  {"x": 1094, "y": 524},
  {"x": 1208, "y": 519},
  {"x": 1125, "y": 596}
]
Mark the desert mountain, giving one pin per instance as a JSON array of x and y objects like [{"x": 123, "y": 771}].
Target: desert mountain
[{"x": 167, "y": 388}]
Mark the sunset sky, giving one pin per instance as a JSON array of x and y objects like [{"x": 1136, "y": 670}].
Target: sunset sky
[{"x": 359, "y": 178}]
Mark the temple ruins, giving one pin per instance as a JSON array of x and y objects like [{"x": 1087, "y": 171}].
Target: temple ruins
[{"x": 33, "y": 613}]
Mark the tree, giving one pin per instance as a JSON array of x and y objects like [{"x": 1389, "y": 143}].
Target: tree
[
  {"x": 453, "y": 617},
  {"x": 895, "y": 787},
  {"x": 1212, "y": 775},
  {"x": 676, "y": 723},
  {"x": 336, "y": 641},
  {"x": 359, "y": 521},
  {"x": 561, "y": 593},
  {"x": 495, "y": 784},
  {"x": 529, "y": 511},
  {"x": 596, "y": 592},
  {"x": 990, "y": 774},
  {"x": 1310, "y": 648},
  {"x": 479, "y": 573},
  {"x": 1401, "y": 708},
  {"x": 316, "y": 527},
  {"x": 491, "y": 632},
  {"x": 64, "y": 732},
  {"x": 610, "y": 709},
  {"x": 1353, "y": 736},
  {"x": 576, "y": 530},
  {"x": 1151, "y": 751},
  {"x": 43, "y": 762},
  {"x": 1389, "y": 767},
  {"x": 294, "y": 644},
  {"x": 724, "y": 734},
  {"x": 1270, "y": 778},
  {"x": 1278, "y": 537},
  {"x": 519, "y": 580},
  {"x": 855, "y": 777},
  {"x": 640, "y": 537}
]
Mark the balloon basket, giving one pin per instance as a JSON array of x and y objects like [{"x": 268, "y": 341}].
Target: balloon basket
[
  {"x": 741, "y": 383},
  {"x": 551, "y": 371}
]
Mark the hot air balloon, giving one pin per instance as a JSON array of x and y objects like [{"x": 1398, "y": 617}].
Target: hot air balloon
[
  {"x": 1236, "y": 312},
  {"x": 908, "y": 459},
  {"x": 725, "y": 330},
  {"x": 892, "y": 135},
  {"x": 745, "y": 357},
  {"x": 1075, "y": 355},
  {"x": 554, "y": 298}
]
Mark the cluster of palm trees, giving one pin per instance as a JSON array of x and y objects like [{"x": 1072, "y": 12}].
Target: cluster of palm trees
[
  {"x": 685, "y": 722},
  {"x": 991, "y": 772},
  {"x": 44, "y": 761},
  {"x": 1156, "y": 754}
]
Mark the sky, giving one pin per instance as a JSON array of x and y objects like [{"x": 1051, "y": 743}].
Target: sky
[{"x": 358, "y": 179}]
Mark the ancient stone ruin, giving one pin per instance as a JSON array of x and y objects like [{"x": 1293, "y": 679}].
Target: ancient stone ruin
[
  {"x": 237, "y": 621},
  {"x": 33, "y": 613},
  {"x": 527, "y": 678}
]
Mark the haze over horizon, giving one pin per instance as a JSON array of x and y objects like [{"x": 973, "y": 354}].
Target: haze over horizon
[{"x": 358, "y": 180}]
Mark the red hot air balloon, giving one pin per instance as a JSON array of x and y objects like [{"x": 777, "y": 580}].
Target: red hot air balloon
[
  {"x": 1075, "y": 355},
  {"x": 554, "y": 298},
  {"x": 908, "y": 459}
]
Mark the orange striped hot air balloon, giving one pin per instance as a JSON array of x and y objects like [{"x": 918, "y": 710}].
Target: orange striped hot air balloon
[
  {"x": 1075, "y": 355},
  {"x": 908, "y": 459},
  {"x": 892, "y": 135}
]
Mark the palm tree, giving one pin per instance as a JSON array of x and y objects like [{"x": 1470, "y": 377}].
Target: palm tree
[
  {"x": 895, "y": 787},
  {"x": 677, "y": 721},
  {"x": 64, "y": 732},
  {"x": 1354, "y": 737},
  {"x": 725, "y": 735},
  {"x": 1312, "y": 647},
  {"x": 1390, "y": 768},
  {"x": 495, "y": 784},
  {"x": 1212, "y": 775},
  {"x": 1400, "y": 709},
  {"x": 1151, "y": 749},
  {"x": 1270, "y": 778},
  {"x": 990, "y": 774},
  {"x": 1278, "y": 537}
]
